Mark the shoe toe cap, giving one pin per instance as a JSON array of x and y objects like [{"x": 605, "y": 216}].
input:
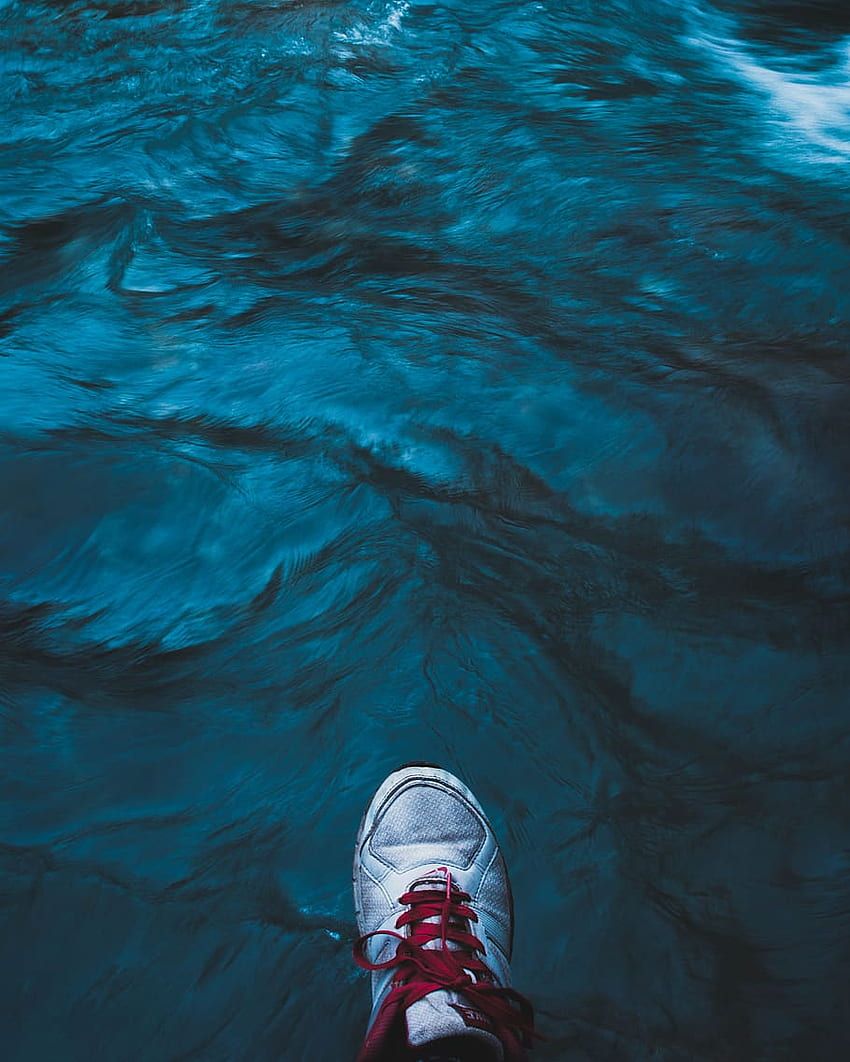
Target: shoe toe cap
[{"x": 427, "y": 823}]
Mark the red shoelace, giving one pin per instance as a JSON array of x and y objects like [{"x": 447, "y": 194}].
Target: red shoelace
[{"x": 422, "y": 970}]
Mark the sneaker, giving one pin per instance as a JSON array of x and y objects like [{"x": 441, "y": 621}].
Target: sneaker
[{"x": 435, "y": 915}]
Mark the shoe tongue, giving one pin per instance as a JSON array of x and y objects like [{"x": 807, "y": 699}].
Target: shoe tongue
[
  {"x": 445, "y": 1013},
  {"x": 430, "y": 884}
]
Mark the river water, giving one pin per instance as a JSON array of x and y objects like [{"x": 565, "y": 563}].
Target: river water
[{"x": 461, "y": 381}]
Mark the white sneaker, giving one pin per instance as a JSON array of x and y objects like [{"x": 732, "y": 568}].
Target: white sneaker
[{"x": 434, "y": 909}]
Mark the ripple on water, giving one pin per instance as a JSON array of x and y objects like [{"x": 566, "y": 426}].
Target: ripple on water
[{"x": 384, "y": 381}]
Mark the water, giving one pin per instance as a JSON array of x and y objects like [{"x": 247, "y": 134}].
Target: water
[{"x": 461, "y": 381}]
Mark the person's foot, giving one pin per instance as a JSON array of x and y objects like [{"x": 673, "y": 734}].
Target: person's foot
[{"x": 434, "y": 909}]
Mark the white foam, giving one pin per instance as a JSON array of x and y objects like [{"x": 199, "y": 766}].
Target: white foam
[
  {"x": 813, "y": 105},
  {"x": 377, "y": 32}
]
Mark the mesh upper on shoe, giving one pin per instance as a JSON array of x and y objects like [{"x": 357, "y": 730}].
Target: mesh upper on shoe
[
  {"x": 492, "y": 892},
  {"x": 424, "y": 824},
  {"x": 374, "y": 907}
]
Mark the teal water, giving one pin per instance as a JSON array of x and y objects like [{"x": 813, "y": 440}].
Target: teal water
[{"x": 451, "y": 381}]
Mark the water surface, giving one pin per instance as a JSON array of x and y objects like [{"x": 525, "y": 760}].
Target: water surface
[{"x": 461, "y": 381}]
